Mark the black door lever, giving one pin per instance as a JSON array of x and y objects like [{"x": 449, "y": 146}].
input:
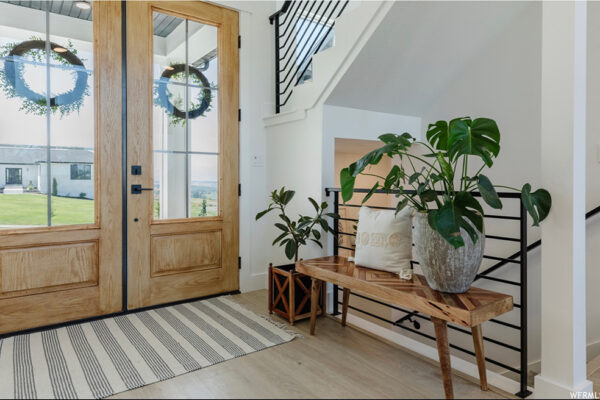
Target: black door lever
[{"x": 137, "y": 189}]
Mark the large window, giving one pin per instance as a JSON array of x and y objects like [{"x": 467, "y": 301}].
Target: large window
[
  {"x": 81, "y": 172},
  {"x": 185, "y": 118},
  {"x": 47, "y": 112}
]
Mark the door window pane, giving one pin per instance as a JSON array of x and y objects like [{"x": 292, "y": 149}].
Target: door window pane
[
  {"x": 185, "y": 118},
  {"x": 46, "y": 94}
]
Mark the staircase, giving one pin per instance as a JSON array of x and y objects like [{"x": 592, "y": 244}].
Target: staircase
[{"x": 315, "y": 42}]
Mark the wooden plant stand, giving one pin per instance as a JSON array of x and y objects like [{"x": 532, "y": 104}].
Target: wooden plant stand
[{"x": 289, "y": 293}]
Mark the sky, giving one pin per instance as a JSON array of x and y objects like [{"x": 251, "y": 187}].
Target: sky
[{"x": 77, "y": 129}]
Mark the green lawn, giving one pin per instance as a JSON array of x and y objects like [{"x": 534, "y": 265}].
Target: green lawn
[
  {"x": 211, "y": 208},
  {"x": 31, "y": 209}
]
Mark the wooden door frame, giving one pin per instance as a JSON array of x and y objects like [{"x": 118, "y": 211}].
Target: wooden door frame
[{"x": 140, "y": 225}]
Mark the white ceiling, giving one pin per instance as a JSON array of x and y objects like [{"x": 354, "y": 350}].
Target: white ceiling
[{"x": 416, "y": 51}]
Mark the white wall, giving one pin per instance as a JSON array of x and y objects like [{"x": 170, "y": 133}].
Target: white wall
[
  {"x": 504, "y": 83},
  {"x": 257, "y": 85},
  {"x": 294, "y": 160},
  {"x": 64, "y": 184}
]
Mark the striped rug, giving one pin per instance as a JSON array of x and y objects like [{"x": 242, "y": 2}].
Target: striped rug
[{"x": 100, "y": 358}]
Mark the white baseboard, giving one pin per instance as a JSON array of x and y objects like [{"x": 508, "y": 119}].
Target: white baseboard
[
  {"x": 458, "y": 364},
  {"x": 548, "y": 389}
]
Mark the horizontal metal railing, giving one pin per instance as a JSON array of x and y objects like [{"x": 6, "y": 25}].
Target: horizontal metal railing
[
  {"x": 519, "y": 258},
  {"x": 302, "y": 29}
]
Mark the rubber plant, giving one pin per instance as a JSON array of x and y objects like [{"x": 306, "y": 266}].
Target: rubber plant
[
  {"x": 438, "y": 182},
  {"x": 303, "y": 229}
]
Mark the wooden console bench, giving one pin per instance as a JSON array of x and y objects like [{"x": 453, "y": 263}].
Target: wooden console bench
[{"x": 468, "y": 309}]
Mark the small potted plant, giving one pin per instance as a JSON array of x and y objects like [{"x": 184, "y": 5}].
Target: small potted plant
[
  {"x": 448, "y": 222},
  {"x": 289, "y": 291}
]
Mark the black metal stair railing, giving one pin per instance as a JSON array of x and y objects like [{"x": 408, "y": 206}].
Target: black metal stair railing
[
  {"x": 519, "y": 258},
  {"x": 302, "y": 29}
]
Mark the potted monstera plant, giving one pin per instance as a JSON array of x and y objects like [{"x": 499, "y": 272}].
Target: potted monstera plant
[
  {"x": 436, "y": 179},
  {"x": 289, "y": 290}
]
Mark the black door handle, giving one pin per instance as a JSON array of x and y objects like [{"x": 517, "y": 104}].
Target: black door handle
[{"x": 137, "y": 189}]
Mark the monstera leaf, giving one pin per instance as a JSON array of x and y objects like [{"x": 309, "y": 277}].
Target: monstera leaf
[
  {"x": 537, "y": 203},
  {"x": 393, "y": 145},
  {"x": 461, "y": 212},
  {"x": 488, "y": 192},
  {"x": 479, "y": 137},
  {"x": 437, "y": 134}
]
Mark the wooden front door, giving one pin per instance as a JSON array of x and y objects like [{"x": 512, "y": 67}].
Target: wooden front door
[
  {"x": 182, "y": 139},
  {"x": 60, "y": 234}
]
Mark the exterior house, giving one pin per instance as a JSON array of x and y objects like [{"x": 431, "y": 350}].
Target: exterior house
[{"x": 25, "y": 168}]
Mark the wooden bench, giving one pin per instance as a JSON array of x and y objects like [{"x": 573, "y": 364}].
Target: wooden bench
[{"x": 468, "y": 309}]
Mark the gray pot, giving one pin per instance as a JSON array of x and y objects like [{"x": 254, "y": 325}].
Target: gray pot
[{"x": 446, "y": 269}]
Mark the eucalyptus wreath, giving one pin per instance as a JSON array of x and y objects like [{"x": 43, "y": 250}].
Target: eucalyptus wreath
[
  {"x": 14, "y": 85},
  {"x": 199, "y": 105}
]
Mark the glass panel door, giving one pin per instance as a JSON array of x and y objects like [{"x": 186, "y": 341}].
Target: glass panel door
[
  {"x": 183, "y": 207},
  {"x": 14, "y": 176},
  {"x": 60, "y": 249}
]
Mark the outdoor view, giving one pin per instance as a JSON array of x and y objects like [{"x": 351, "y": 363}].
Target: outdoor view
[
  {"x": 47, "y": 144},
  {"x": 185, "y": 118},
  {"x": 47, "y": 123}
]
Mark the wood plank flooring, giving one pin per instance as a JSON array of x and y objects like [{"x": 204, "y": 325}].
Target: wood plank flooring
[{"x": 336, "y": 363}]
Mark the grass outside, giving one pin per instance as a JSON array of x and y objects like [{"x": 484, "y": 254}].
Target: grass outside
[
  {"x": 197, "y": 208},
  {"x": 31, "y": 209}
]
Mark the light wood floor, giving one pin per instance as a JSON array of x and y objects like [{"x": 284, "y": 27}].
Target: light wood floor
[{"x": 335, "y": 363}]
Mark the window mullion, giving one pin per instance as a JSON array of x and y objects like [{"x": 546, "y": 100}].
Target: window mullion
[{"x": 48, "y": 120}]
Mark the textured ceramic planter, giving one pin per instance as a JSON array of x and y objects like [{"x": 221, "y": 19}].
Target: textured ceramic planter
[{"x": 446, "y": 269}]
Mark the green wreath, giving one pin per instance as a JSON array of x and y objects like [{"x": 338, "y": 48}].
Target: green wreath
[
  {"x": 172, "y": 104},
  {"x": 14, "y": 85}
]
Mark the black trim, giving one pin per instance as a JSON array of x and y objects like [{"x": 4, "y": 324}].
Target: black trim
[
  {"x": 239, "y": 189},
  {"x": 239, "y": 114},
  {"x": 239, "y": 41},
  {"x": 239, "y": 262},
  {"x": 124, "y": 194},
  {"x": 105, "y": 316}
]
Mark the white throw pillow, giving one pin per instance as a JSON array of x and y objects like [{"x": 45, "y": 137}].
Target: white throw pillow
[{"x": 384, "y": 240}]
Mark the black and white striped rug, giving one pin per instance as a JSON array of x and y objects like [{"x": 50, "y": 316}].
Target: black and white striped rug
[{"x": 100, "y": 358}]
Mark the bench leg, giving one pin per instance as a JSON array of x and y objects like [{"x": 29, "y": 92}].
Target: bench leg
[
  {"x": 345, "y": 301},
  {"x": 441, "y": 338},
  {"x": 479, "y": 353},
  {"x": 314, "y": 303}
]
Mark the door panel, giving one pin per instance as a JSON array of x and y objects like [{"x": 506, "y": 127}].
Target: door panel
[
  {"x": 75, "y": 264},
  {"x": 48, "y": 273},
  {"x": 182, "y": 106}
]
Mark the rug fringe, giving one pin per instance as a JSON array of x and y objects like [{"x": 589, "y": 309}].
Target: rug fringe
[{"x": 281, "y": 325}]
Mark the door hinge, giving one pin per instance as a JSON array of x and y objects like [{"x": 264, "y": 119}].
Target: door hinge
[
  {"x": 239, "y": 114},
  {"x": 239, "y": 41},
  {"x": 239, "y": 189},
  {"x": 239, "y": 262}
]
